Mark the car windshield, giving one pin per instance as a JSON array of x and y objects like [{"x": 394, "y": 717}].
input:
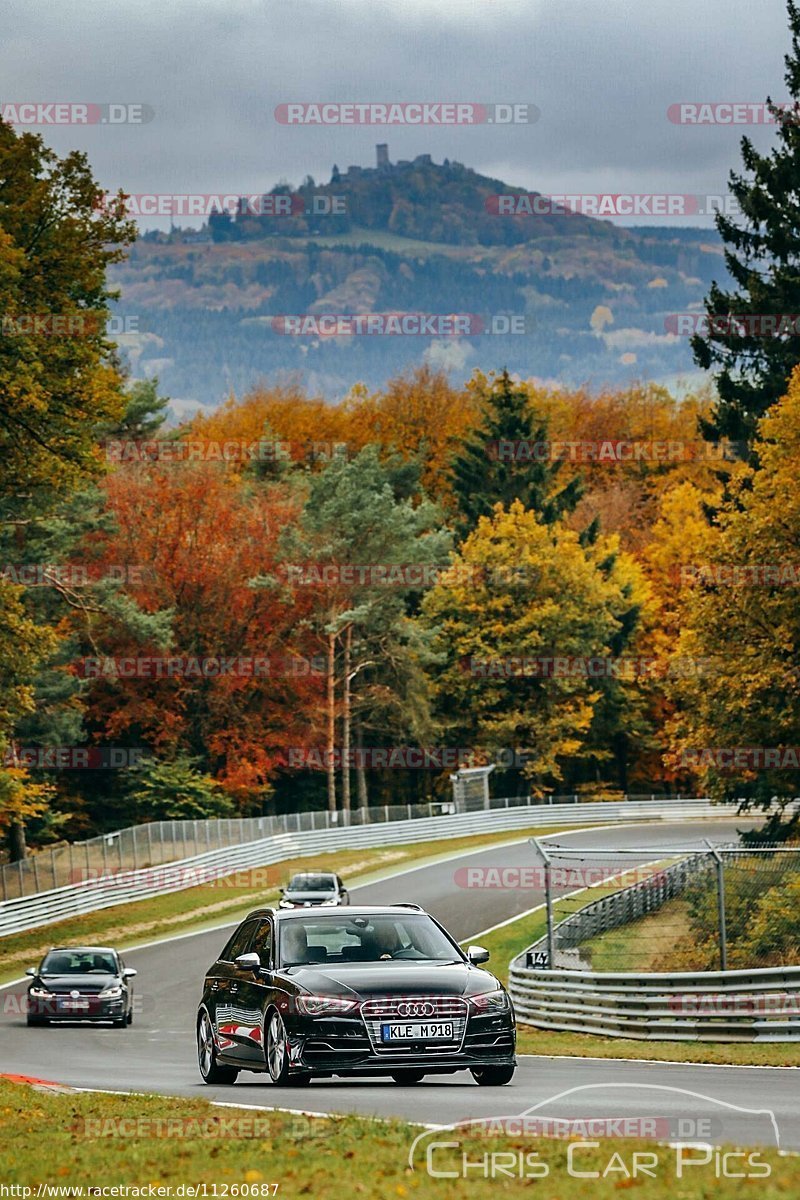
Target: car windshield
[
  {"x": 78, "y": 962},
  {"x": 359, "y": 939},
  {"x": 311, "y": 883}
]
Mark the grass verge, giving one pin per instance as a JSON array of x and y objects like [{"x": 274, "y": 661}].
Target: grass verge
[
  {"x": 98, "y": 1141},
  {"x": 586, "y": 1045},
  {"x": 642, "y": 945},
  {"x": 228, "y": 899}
]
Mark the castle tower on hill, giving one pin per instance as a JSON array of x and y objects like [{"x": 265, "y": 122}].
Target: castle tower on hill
[{"x": 382, "y": 152}]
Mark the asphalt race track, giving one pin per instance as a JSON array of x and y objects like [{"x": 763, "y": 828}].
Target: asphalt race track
[{"x": 157, "y": 1053}]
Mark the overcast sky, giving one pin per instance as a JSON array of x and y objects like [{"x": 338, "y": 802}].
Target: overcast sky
[{"x": 602, "y": 72}]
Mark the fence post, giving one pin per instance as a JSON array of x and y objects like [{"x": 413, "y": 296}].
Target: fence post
[
  {"x": 723, "y": 934},
  {"x": 548, "y": 900}
]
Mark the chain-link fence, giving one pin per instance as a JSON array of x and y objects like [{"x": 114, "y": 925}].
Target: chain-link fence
[
  {"x": 159, "y": 842},
  {"x": 722, "y": 908}
]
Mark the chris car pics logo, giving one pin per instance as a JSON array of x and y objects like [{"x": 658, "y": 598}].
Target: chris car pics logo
[{"x": 706, "y": 1140}]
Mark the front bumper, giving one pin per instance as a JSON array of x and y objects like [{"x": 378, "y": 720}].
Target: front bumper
[
  {"x": 342, "y": 1045},
  {"x": 86, "y": 1008}
]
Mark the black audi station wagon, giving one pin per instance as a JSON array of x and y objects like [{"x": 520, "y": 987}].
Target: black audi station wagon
[{"x": 377, "y": 990}]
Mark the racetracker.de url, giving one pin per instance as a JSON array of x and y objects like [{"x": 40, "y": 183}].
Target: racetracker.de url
[{"x": 192, "y": 1191}]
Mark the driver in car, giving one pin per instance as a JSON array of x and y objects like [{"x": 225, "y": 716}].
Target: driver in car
[{"x": 382, "y": 942}]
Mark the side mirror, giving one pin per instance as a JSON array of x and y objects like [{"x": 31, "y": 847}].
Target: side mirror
[
  {"x": 477, "y": 954},
  {"x": 31, "y": 971},
  {"x": 129, "y": 973},
  {"x": 248, "y": 962}
]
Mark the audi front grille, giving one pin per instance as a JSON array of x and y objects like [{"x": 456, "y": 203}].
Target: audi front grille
[{"x": 415, "y": 1008}]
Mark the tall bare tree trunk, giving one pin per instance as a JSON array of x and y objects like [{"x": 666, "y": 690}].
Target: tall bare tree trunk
[
  {"x": 348, "y": 648},
  {"x": 361, "y": 774},
  {"x": 330, "y": 761},
  {"x": 17, "y": 845}
]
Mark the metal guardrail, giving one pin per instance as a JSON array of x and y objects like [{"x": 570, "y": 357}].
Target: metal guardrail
[
  {"x": 758, "y": 1005},
  {"x": 712, "y": 1006},
  {"x": 109, "y": 888}
]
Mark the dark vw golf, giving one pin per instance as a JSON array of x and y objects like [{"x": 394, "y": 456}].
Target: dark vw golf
[
  {"x": 360, "y": 991},
  {"x": 81, "y": 983}
]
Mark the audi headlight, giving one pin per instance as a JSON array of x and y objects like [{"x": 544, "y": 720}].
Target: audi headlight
[
  {"x": 111, "y": 993},
  {"x": 324, "y": 1006},
  {"x": 328, "y": 903},
  {"x": 285, "y": 904},
  {"x": 496, "y": 1001},
  {"x": 40, "y": 993}
]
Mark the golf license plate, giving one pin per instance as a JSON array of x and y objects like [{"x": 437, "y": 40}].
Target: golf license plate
[
  {"x": 74, "y": 1005},
  {"x": 418, "y": 1031}
]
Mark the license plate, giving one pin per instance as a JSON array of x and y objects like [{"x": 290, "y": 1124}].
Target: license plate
[
  {"x": 73, "y": 1005},
  {"x": 418, "y": 1031}
]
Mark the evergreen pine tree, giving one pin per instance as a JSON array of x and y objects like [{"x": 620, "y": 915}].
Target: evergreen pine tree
[
  {"x": 761, "y": 255},
  {"x": 506, "y": 459}
]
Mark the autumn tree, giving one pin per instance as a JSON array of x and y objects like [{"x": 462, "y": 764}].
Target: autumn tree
[
  {"x": 58, "y": 377},
  {"x": 360, "y": 522},
  {"x": 197, "y": 533},
  {"x": 57, "y": 368},
  {"x": 740, "y": 612},
  {"x": 520, "y": 595}
]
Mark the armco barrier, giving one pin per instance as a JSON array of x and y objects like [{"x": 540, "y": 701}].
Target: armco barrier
[
  {"x": 712, "y": 1006},
  {"x": 89, "y": 895}
]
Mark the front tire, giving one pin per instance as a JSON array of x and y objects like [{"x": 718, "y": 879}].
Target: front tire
[
  {"x": 29, "y": 1020},
  {"x": 493, "y": 1076},
  {"x": 276, "y": 1050},
  {"x": 210, "y": 1069}
]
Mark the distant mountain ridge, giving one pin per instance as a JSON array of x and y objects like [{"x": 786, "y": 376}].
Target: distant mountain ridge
[
  {"x": 413, "y": 198},
  {"x": 414, "y": 236}
]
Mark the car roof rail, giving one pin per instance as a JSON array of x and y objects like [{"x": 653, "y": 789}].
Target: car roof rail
[{"x": 407, "y": 904}]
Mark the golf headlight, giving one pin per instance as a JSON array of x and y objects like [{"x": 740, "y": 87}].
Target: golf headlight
[
  {"x": 489, "y": 1002},
  {"x": 324, "y": 1006},
  {"x": 39, "y": 992},
  {"x": 111, "y": 993}
]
